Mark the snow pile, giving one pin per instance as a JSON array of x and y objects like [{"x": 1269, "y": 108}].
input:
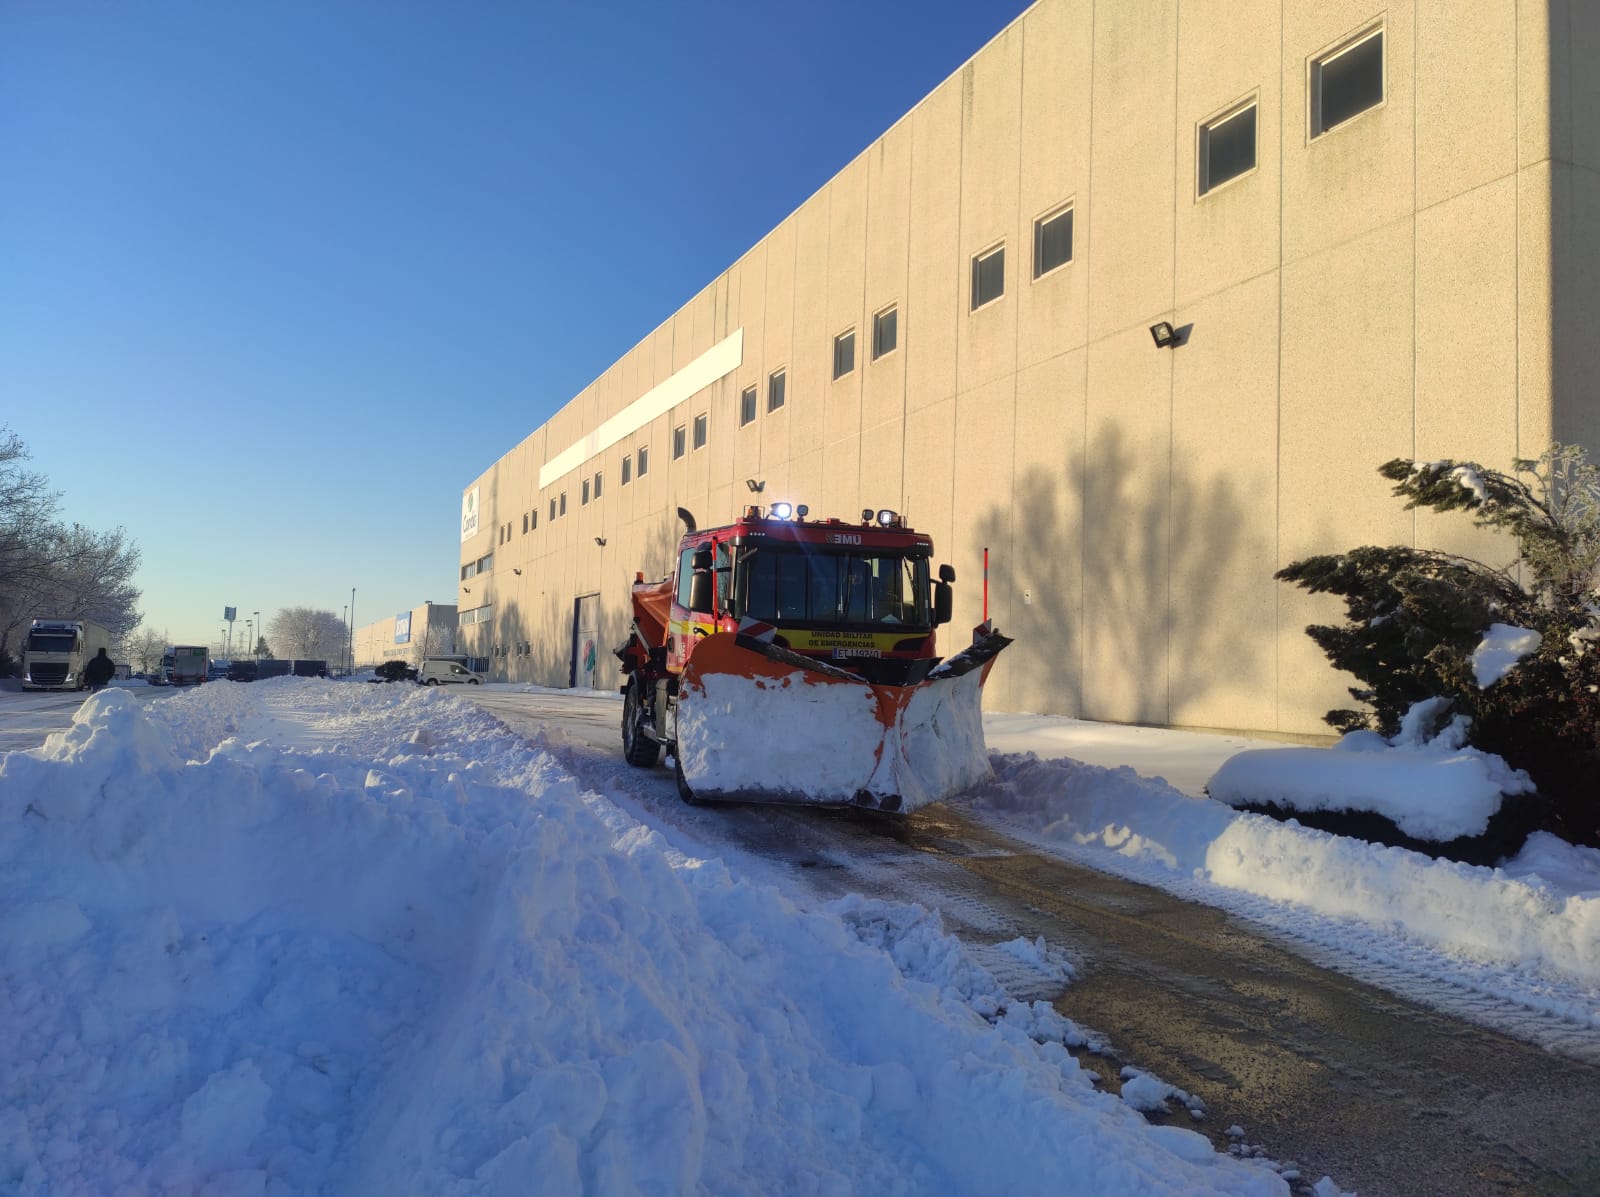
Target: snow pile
[
  {"x": 1503, "y": 645},
  {"x": 1432, "y": 789},
  {"x": 364, "y": 940},
  {"x": 1540, "y": 912}
]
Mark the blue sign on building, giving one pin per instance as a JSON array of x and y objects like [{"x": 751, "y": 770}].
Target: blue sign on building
[{"x": 402, "y": 628}]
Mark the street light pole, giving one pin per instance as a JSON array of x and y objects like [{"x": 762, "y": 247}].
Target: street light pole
[
  {"x": 352, "y": 657},
  {"x": 254, "y": 644}
]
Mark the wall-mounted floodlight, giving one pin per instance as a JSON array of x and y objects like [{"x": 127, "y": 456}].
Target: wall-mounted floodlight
[
  {"x": 756, "y": 485},
  {"x": 601, "y": 541},
  {"x": 1165, "y": 335},
  {"x": 516, "y": 571},
  {"x": 466, "y": 590}
]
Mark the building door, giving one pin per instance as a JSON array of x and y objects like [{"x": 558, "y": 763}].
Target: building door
[{"x": 586, "y": 652}]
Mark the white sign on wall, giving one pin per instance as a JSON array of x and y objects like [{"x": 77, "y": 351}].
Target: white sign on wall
[{"x": 469, "y": 515}]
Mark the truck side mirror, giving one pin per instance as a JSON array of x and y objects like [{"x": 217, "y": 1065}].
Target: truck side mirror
[
  {"x": 947, "y": 573},
  {"x": 700, "y": 588},
  {"x": 943, "y": 601}
]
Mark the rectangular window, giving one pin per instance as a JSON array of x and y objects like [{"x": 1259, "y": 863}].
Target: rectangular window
[
  {"x": 680, "y": 442},
  {"x": 563, "y": 509},
  {"x": 533, "y": 519},
  {"x": 1052, "y": 241},
  {"x": 844, "y": 353},
  {"x": 1347, "y": 82},
  {"x": 552, "y": 509},
  {"x": 885, "y": 332},
  {"x": 1227, "y": 148},
  {"x": 775, "y": 383},
  {"x": 584, "y": 502},
  {"x": 644, "y": 461},
  {"x": 524, "y": 523},
  {"x": 747, "y": 406},
  {"x": 700, "y": 428},
  {"x": 598, "y": 478},
  {"x": 988, "y": 277},
  {"x": 627, "y": 469}
]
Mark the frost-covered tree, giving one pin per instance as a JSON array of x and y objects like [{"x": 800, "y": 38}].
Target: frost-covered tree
[
  {"x": 305, "y": 633},
  {"x": 144, "y": 648},
  {"x": 1420, "y": 624},
  {"x": 52, "y": 569}
]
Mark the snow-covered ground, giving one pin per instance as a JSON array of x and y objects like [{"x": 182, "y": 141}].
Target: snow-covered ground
[{"x": 308, "y": 936}]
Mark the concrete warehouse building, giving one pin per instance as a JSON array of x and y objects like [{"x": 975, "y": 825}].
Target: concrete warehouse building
[
  {"x": 1372, "y": 226},
  {"x": 408, "y": 636}
]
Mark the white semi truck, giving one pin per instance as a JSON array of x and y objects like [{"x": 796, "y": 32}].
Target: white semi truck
[{"x": 57, "y": 652}]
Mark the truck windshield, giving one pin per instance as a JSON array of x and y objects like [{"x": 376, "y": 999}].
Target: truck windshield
[
  {"x": 51, "y": 642},
  {"x": 839, "y": 589}
]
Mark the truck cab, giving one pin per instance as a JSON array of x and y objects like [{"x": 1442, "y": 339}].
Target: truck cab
[{"x": 861, "y": 596}]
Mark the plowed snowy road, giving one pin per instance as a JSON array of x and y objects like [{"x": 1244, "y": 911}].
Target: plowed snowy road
[
  {"x": 1309, "y": 1051},
  {"x": 1387, "y": 1095}
]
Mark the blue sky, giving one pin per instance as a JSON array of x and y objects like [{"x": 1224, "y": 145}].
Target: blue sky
[{"x": 278, "y": 280}]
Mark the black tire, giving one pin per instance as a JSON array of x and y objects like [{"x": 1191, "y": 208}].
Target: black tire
[
  {"x": 684, "y": 791},
  {"x": 432, "y": 681},
  {"x": 472, "y": 681},
  {"x": 638, "y": 749}
]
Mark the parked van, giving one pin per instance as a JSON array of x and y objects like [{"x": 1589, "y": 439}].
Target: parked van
[{"x": 435, "y": 671}]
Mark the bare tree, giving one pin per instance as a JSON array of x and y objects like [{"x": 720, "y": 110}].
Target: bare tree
[
  {"x": 434, "y": 642},
  {"x": 51, "y": 569},
  {"x": 304, "y": 633},
  {"x": 143, "y": 648}
]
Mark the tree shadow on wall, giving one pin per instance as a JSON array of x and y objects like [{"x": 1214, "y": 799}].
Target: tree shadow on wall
[{"x": 1136, "y": 611}]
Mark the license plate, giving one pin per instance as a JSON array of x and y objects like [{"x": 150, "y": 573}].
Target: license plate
[{"x": 841, "y": 653}]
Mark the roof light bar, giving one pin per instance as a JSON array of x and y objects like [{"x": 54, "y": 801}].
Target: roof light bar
[{"x": 782, "y": 511}]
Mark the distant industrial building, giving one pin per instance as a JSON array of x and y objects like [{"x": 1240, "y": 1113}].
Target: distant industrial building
[
  {"x": 408, "y": 636},
  {"x": 1137, "y": 300}
]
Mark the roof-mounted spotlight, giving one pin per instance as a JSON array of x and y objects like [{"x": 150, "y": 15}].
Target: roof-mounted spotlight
[
  {"x": 1164, "y": 334},
  {"x": 887, "y": 518},
  {"x": 782, "y": 511}
]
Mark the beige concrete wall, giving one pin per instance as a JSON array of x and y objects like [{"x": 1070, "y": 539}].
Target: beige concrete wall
[{"x": 1417, "y": 282}]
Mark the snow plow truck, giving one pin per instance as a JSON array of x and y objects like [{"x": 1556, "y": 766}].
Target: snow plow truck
[{"x": 794, "y": 660}]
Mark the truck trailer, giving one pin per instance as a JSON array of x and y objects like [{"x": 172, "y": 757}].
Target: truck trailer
[
  {"x": 57, "y": 651},
  {"x": 186, "y": 664}
]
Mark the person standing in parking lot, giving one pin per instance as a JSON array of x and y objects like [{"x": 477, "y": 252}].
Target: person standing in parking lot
[{"x": 100, "y": 670}]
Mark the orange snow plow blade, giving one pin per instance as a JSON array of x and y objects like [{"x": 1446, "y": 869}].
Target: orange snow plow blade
[{"x": 758, "y": 723}]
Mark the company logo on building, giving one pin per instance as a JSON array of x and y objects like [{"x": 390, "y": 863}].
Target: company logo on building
[
  {"x": 469, "y": 515},
  {"x": 402, "y": 628}
]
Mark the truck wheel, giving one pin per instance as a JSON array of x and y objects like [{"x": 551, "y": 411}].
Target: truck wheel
[
  {"x": 638, "y": 749},
  {"x": 432, "y": 681},
  {"x": 684, "y": 791}
]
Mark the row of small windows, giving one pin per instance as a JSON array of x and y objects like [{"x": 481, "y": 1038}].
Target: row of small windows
[
  {"x": 1345, "y": 82},
  {"x": 1052, "y": 249}
]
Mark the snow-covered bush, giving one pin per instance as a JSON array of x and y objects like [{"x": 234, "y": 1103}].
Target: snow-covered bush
[{"x": 1513, "y": 649}]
